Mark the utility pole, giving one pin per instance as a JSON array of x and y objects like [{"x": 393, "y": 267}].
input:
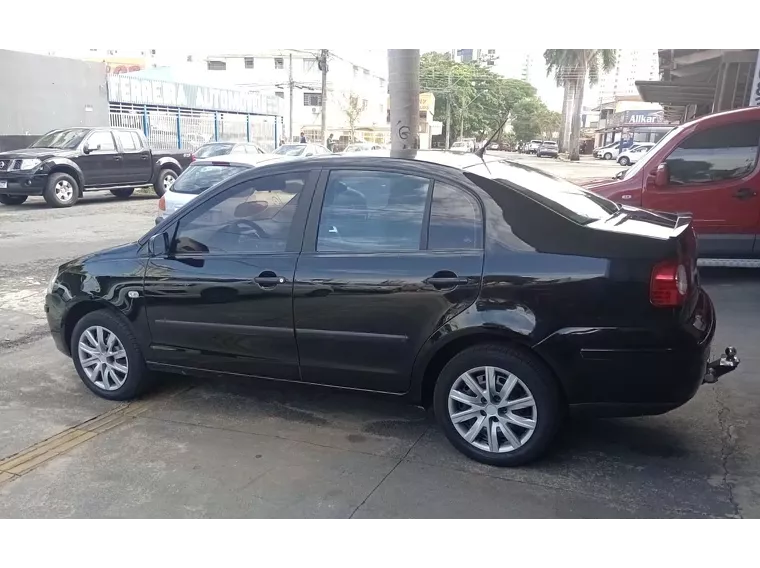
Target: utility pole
[
  {"x": 404, "y": 90},
  {"x": 323, "y": 67},
  {"x": 290, "y": 91},
  {"x": 448, "y": 115}
]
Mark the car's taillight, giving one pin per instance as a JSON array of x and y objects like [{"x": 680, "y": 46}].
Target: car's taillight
[
  {"x": 669, "y": 285},
  {"x": 162, "y": 204}
]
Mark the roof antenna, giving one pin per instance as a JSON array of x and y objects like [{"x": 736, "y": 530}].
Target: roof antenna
[{"x": 480, "y": 152}]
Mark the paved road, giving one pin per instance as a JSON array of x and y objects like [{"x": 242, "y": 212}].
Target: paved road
[{"x": 224, "y": 448}]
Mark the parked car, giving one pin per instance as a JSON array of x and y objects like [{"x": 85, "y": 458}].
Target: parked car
[
  {"x": 533, "y": 146},
  {"x": 707, "y": 167},
  {"x": 496, "y": 287},
  {"x": 63, "y": 164},
  {"x": 225, "y": 149},
  {"x": 463, "y": 146},
  {"x": 205, "y": 173},
  {"x": 548, "y": 148},
  {"x": 301, "y": 150},
  {"x": 361, "y": 147},
  {"x": 608, "y": 151},
  {"x": 633, "y": 155}
]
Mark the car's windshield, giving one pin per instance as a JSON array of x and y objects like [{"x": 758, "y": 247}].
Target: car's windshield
[
  {"x": 290, "y": 150},
  {"x": 211, "y": 150},
  {"x": 649, "y": 155},
  {"x": 61, "y": 139},
  {"x": 198, "y": 177},
  {"x": 559, "y": 195}
]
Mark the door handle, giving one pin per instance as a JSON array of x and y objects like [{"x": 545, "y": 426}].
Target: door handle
[
  {"x": 445, "y": 279},
  {"x": 745, "y": 193},
  {"x": 268, "y": 279},
  {"x": 117, "y": 158},
  {"x": 144, "y": 158}
]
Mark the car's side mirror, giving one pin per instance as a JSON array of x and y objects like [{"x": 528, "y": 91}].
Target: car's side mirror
[
  {"x": 158, "y": 245},
  {"x": 86, "y": 149},
  {"x": 662, "y": 175},
  {"x": 619, "y": 175}
]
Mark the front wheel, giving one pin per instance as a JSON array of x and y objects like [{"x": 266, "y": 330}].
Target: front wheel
[
  {"x": 608, "y": 156},
  {"x": 497, "y": 405},
  {"x": 164, "y": 181},
  {"x": 624, "y": 161},
  {"x": 62, "y": 190},
  {"x": 107, "y": 356},
  {"x": 12, "y": 199},
  {"x": 122, "y": 193}
]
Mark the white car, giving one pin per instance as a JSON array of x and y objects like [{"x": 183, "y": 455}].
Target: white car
[
  {"x": 205, "y": 173},
  {"x": 607, "y": 152},
  {"x": 361, "y": 147},
  {"x": 632, "y": 155},
  {"x": 462, "y": 146}
]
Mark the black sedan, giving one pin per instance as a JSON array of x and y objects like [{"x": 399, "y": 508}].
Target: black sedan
[{"x": 498, "y": 294}]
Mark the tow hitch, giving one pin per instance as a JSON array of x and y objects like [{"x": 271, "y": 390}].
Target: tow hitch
[{"x": 727, "y": 363}]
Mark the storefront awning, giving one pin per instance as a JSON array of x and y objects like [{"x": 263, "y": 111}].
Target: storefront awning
[{"x": 667, "y": 93}]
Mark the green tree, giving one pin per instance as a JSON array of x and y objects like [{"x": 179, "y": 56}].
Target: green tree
[
  {"x": 529, "y": 119},
  {"x": 479, "y": 100},
  {"x": 571, "y": 69}
]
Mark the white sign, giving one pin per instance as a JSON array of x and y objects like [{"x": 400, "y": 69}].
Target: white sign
[
  {"x": 754, "y": 97},
  {"x": 125, "y": 89}
]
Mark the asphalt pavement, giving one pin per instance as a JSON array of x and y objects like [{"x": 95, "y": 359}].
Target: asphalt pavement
[{"x": 238, "y": 448}]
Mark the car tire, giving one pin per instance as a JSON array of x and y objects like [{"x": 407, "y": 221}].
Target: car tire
[
  {"x": 122, "y": 193},
  {"x": 532, "y": 382},
  {"x": 607, "y": 156},
  {"x": 624, "y": 161},
  {"x": 86, "y": 341},
  {"x": 62, "y": 190},
  {"x": 12, "y": 199},
  {"x": 164, "y": 181}
]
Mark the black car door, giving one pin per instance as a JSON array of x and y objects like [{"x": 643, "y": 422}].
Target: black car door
[
  {"x": 102, "y": 164},
  {"x": 388, "y": 258},
  {"x": 136, "y": 167},
  {"x": 221, "y": 299}
]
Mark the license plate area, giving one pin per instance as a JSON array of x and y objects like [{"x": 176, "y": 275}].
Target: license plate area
[{"x": 3, "y": 184}]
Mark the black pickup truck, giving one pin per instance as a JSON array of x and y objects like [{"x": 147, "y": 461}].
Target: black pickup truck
[{"x": 63, "y": 164}]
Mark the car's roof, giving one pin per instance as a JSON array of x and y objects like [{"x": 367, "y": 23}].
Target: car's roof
[
  {"x": 456, "y": 160},
  {"x": 242, "y": 159}
]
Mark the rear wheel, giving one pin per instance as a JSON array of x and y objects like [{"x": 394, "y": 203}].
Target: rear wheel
[
  {"x": 497, "y": 405},
  {"x": 122, "y": 193},
  {"x": 607, "y": 156},
  {"x": 164, "y": 181},
  {"x": 12, "y": 199},
  {"x": 62, "y": 190}
]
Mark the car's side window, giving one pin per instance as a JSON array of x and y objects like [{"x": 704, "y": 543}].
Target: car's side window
[
  {"x": 455, "y": 220},
  {"x": 126, "y": 140},
  {"x": 252, "y": 217},
  {"x": 372, "y": 211},
  {"x": 720, "y": 153},
  {"x": 137, "y": 141},
  {"x": 102, "y": 141}
]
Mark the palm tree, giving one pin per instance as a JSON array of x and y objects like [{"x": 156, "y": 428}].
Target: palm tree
[{"x": 571, "y": 69}]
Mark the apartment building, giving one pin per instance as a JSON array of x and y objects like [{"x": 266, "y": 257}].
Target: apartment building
[
  {"x": 357, "y": 86},
  {"x": 631, "y": 65}
]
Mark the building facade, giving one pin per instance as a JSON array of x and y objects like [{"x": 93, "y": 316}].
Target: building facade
[
  {"x": 631, "y": 65},
  {"x": 357, "y": 88}
]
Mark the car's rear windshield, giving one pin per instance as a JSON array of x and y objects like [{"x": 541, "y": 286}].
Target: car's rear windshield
[
  {"x": 197, "y": 178},
  {"x": 549, "y": 143},
  {"x": 211, "y": 150},
  {"x": 560, "y": 195}
]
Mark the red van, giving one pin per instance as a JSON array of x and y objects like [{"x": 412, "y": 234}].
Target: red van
[{"x": 709, "y": 168}]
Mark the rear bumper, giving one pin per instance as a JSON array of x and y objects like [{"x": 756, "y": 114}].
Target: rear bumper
[
  {"x": 22, "y": 183},
  {"x": 633, "y": 371}
]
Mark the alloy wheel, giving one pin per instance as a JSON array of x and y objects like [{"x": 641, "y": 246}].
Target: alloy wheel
[
  {"x": 492, "y": 409},
  {"x": 103, "y": 358},
  {"x": 169, "y": 180},
  {"x": 64, "y": 190}
]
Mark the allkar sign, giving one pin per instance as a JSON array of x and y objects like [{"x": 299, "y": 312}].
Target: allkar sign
[{"x": 125, "y": 89}]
